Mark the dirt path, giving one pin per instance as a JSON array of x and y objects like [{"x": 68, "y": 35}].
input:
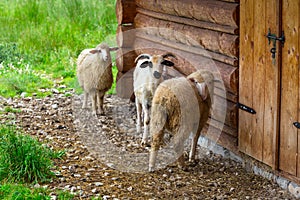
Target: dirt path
[{"x": 89, "y": 167}]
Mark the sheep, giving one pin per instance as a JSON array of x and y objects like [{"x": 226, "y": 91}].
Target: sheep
[
  {"x": 146, "y": 77},
  {"x": 182, "y": 106},
  {"x": 94, "y": 73}
]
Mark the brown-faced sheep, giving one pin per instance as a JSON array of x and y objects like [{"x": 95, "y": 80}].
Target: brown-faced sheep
[
  {"x": 146, "y": 77},
  {"x": 94, "y": 73},
  {"x": 182, "y": 106}
]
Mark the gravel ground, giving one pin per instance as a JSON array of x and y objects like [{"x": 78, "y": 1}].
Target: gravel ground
[{"x": 104, "y": 159}]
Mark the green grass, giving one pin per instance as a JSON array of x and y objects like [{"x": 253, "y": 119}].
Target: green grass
[
  {"x": 41, "y": 39},
  {"x": 23, "y": 158},
  {"x": 10, "y": 191}
]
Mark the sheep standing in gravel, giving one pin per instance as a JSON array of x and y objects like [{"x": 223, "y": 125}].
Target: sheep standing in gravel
[
  {"x": 94, "y": 73},
  {"x": 146, "y": 77},
  {"x": 182, "y": 106}
]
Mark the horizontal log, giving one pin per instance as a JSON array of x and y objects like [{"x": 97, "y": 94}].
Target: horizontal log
[
  {"x": 125, "y": 59},
  {"x": 125, "y": 11},
  {"x": 125, "y": 35},
  {"x": 191, "y": 22},
  {"x": 214, "y": 41},
  {"x": 222, "y": 138},
  {"x": 196, "y": 50},
  {"x": 216, "y": 12},
  {"x": 229, "y": 96},
  {"x": 189, "y": 62},
  {"x": 225, "y": 111},
  {"x": 124, "y": 85}
]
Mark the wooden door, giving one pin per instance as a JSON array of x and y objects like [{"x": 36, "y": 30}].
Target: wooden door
[
  {"x": 259, "y": 80},
  {"x": 270, "y": 86},
  {"x": 289, "y": 149}
]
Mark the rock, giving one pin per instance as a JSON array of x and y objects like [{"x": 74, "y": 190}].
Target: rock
[{"x": 98, "y": 184}]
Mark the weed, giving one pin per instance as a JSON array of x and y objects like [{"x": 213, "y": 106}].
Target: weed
[{"x": 22, "y": 158}]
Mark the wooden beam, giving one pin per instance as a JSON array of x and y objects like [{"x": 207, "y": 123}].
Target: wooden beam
[
  {"x": 125, "y": 11},
  {"x": 125, "y": 35},
  {"x": 221, "y": 43},
  {"x": 216, "y": 12},
  {"x": 125, "y": 59},
  {"x": 191, "y": 22}
]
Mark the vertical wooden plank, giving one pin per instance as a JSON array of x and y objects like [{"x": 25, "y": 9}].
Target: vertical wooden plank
[
  {"x": 289, "y": 92},
  {"x": 298, "y": 61},
  {"x": 272, "y": 88},
  {"x": 245, "y": 73},
  {"x": 258, "y": 79}
]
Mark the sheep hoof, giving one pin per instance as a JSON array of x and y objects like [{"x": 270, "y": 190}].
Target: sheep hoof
[
  {"x": 144, "y": 143},
  {"x": 192, "y": 163},
  {"x": 151, "y": 169}
]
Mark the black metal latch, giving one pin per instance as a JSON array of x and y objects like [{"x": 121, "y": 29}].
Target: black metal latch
[
  {"x": 297, "y": 125},
  {"x": 246, "y": 108},
  {"x": 273, "y": 38}
]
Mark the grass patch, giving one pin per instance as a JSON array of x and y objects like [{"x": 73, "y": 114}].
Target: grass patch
[
  {"x": 23, "y": 159},
  {"x": 45, "y": 37},
  {"x": 9, "y": 191}
]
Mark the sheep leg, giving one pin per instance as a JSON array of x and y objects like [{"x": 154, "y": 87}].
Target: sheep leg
[
  {"x": 156, "y": 141},
  {"x": 85, "y": 100},
  {"x": 193, "y": 146},
  {"x": 94, "y": 102},
  {"x": 100, "y": 102},
  {"x": 139, "y": 114},
  {"x": 146, "y": 124}
]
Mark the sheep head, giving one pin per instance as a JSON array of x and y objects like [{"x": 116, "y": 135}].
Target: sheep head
[
  {"x": 105, "y": 50},
  {"x": 155, "y": 62},
  {"x": 204, "y": 81}
]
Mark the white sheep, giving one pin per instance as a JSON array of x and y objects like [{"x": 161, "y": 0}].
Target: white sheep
[
  {"x": 94, "y": 73},
  {"x": 146, "y": 77},
  {"x": 182, "y": 106}
]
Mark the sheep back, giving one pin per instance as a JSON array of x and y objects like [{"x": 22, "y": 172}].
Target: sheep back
[
  {"x": 92, "y": 72},
  {"x": 175, "y": 107}
]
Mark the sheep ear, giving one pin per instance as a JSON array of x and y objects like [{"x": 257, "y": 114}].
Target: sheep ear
[
  {"x": 146, "y": 64},
  {"x": 168, "y": 55},
  {"x": 95, "y": 51},
  {"x": 113, "y": 48},
  {"x": 202, "y": 89},
  {"x": 142, "y": 56},
  {"x": 167, "y": 63}
]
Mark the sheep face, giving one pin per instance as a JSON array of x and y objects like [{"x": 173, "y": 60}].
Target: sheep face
[{"x": 155, "y": 63}]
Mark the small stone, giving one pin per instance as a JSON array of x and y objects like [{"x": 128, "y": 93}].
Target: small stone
[
  {"x": 105, "y": 197},
  {"x": 77, "y": 175},
  {"x": 130, "y": 188},
  {"x": 94, "y": 190},
  {"x": 54, "y": 106},
  {"x": 98, "y": 184}
]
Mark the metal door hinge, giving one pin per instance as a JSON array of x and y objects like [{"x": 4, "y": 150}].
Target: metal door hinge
[
  {"x": 297, "y": 125},
  {"x": 246, "y": 108}
]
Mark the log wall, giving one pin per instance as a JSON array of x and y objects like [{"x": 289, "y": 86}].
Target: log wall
[{"x": 201, "y": 33}]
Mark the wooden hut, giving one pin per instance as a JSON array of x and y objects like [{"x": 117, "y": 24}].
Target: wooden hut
[{"x": 253, "y": 45}]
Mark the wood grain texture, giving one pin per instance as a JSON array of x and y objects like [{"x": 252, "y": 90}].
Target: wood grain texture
[
  {"x": 290, "y": 88},
  {"x": 223, "y": 43},
  {"x": 217, "y": 12},
  {"x": 272, "y": 89},
  {"x": 125, "y": 11},
  {"x": 125, "y": 35},
  {"x": 245, "y": 74},
  {"x": 125, "y": 59},
  {"x": 191, "y": 22}
]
